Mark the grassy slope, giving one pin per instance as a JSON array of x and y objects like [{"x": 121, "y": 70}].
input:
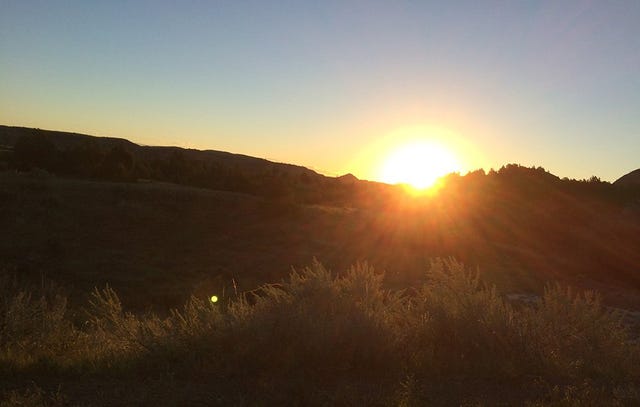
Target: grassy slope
[{"x": 158, "y": 243}]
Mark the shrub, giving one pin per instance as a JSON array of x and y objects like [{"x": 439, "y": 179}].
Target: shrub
[
  {"x": 462, "y": 327},
  {"x": 33, "y": 397},
  {"x": 316, "y": 330},
  {"x": 318, "y": 325},
  {"x": 572, "y": 336},
  {"x": 33, "y": 327},
  {"x": 36, "y": 151}
]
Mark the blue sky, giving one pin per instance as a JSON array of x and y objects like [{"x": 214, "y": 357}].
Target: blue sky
[{"x": 326, "y": 83}]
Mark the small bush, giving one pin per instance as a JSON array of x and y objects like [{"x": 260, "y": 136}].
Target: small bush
[
  {"x": 317, "y": 325},
  {"x": 462, "y": 327},
  {"x": 33, "y": 327},
  {"x": 33, "y": 397},
  {"x": 572, "y": 336}
]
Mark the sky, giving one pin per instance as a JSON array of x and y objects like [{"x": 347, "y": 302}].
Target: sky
[{"x": 335, "y": 85}]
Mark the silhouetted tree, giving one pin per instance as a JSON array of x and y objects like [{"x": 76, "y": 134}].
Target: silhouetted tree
[
  {"x": 35, "y": 151},
  {"x": 83, "y": 160},
  {"x": 117, "y": 165},
  {"x": 236, "y": 181}
]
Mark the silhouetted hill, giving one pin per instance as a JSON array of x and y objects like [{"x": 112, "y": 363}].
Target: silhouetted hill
[
  {"x": 187, "y": 220},
  {"x": 114, "y": 159},
  {"x": 631, "y": 179},
  {"x": 9, "y": 136},
  {"x": 64, "y": 141}
]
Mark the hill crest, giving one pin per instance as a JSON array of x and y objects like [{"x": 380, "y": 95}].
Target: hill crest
[{"x": 630, "y": 179}]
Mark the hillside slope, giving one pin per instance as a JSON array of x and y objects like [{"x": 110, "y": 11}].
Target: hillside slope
[
  {"x": 160, "y": 223},
  {"x": 114, "y": 159},
  {"x": 157, "y": 243},
  {"x": 631, "y": 179}
]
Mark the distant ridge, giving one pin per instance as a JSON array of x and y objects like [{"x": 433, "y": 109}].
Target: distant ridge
[
  {"x": 631, "y": 179},
  {"x": 9, "y": 135},
  {"x": 120, "y": 160}
]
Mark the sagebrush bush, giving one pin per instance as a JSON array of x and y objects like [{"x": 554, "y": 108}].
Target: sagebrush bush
[
  {"x": 317, "y": 328},
  {"x": 462, "y": 326},
  {"x": 33, "y": 325},
  {"x": 316, "y": 324},
  {"x": 572, "y": 335}
]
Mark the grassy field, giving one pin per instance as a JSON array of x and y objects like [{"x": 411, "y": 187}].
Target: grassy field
[{"x": 158, "y": 243}]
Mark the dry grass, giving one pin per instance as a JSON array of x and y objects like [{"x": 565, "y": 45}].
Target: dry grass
[{"x": 317, "y": 338}]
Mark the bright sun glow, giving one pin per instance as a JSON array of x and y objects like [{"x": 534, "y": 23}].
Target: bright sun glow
[{"x": 418, "y": 163}]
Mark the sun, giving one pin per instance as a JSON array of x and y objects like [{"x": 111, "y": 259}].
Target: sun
[{"x": 419, "y": 164}]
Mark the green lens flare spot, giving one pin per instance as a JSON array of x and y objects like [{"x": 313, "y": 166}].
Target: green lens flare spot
[{"x": 214, "y": 299}]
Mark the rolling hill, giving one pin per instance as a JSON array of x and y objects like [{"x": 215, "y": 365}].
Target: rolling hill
[{"x": 157, "y": 241}]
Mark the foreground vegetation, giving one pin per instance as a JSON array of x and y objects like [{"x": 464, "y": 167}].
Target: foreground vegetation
[{"x": 319, "y": 339}]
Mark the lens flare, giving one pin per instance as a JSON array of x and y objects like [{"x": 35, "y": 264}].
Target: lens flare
[{"x": 214, "y": 299}]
